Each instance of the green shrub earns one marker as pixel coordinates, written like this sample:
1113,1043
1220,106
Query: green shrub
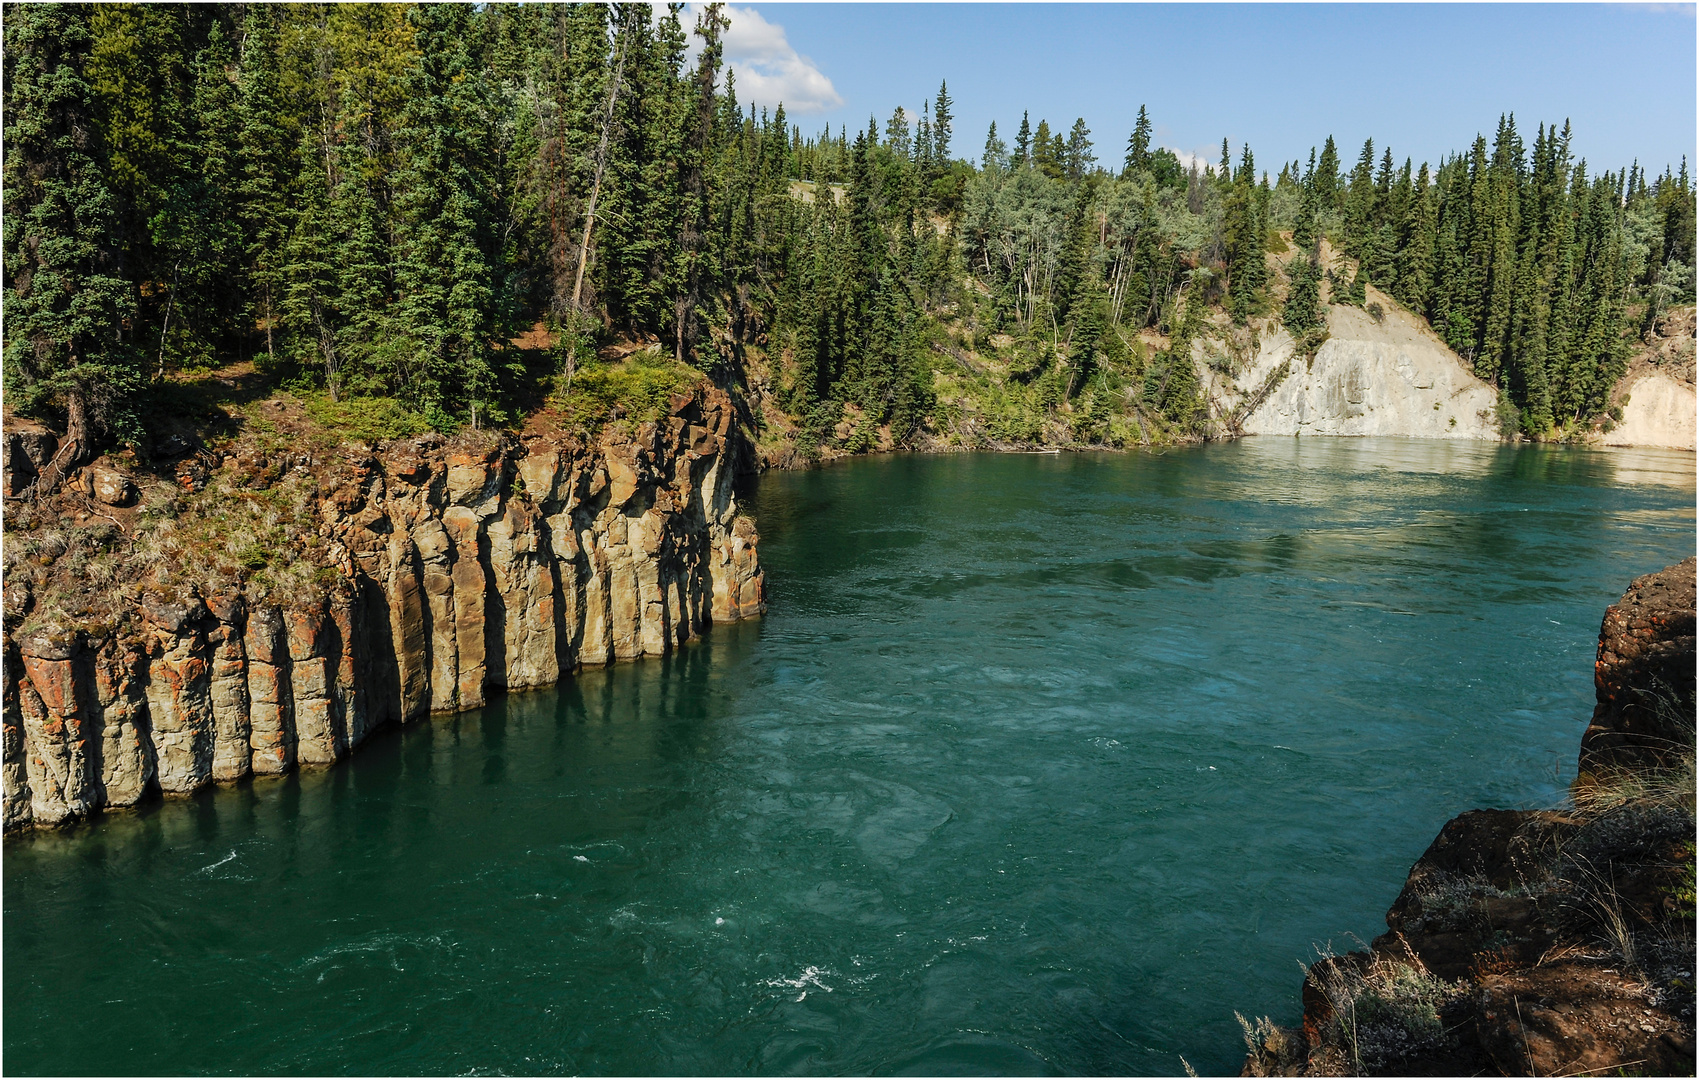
636,390
1508,415
1383,1015
367,419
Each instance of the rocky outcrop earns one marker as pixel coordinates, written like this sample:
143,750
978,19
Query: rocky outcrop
1546,943
1390,376
1657,411
454,570
1644,676
25,449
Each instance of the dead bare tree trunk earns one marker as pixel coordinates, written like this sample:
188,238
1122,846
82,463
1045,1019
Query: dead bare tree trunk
270,355
165,327
590,210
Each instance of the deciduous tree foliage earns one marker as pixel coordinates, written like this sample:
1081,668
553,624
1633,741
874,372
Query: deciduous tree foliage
379,199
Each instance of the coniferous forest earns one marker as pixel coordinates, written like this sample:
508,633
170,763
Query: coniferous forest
449,211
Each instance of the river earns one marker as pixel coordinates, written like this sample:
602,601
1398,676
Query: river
1036,764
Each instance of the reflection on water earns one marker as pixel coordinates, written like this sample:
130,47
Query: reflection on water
1469,458
1038,764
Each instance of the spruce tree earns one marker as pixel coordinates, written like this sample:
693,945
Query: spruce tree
897,132
995,150
213,273
267,160
1360,202
1305,233
1325,181
943,117
697,271
307,306
364,278
1303,311
1044,155
1415,262
1079,156
66,303
444,268
922,156
1138,144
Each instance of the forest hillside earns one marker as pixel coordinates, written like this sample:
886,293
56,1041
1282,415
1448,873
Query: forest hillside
412,217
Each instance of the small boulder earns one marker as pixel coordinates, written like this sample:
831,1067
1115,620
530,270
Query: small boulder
26,448
112,488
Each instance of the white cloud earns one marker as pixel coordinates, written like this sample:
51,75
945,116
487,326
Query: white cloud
1189,158
769,70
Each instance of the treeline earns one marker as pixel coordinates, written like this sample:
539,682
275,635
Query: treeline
381,199
1524,263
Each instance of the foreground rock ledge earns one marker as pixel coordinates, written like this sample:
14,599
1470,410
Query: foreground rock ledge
454,573
1544,943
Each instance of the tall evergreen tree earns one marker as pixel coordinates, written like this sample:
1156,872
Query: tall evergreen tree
943,119
1303,311
66,301
267,159
1138,144
995,150
307,308
1079,159
445,265
1415,261
696,274
1325,179
1044,152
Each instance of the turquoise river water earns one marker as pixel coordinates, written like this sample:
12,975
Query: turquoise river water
1037,764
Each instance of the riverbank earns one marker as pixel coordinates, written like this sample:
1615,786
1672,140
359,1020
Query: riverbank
261,600
1545,943
1029,763
1373,369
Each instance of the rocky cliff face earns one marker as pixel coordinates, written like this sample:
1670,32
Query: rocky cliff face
1390,376
1656,392
1644,676
1660,411
446,572
1545,943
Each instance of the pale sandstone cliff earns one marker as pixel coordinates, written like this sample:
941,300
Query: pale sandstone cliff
1392,377
1660,412
449,574
1656,393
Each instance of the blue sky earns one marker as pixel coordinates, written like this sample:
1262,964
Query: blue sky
1422,77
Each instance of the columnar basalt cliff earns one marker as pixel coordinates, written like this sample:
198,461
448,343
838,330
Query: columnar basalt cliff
450,571
1544,943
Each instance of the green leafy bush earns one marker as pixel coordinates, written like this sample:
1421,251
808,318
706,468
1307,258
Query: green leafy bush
635,390
368,419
